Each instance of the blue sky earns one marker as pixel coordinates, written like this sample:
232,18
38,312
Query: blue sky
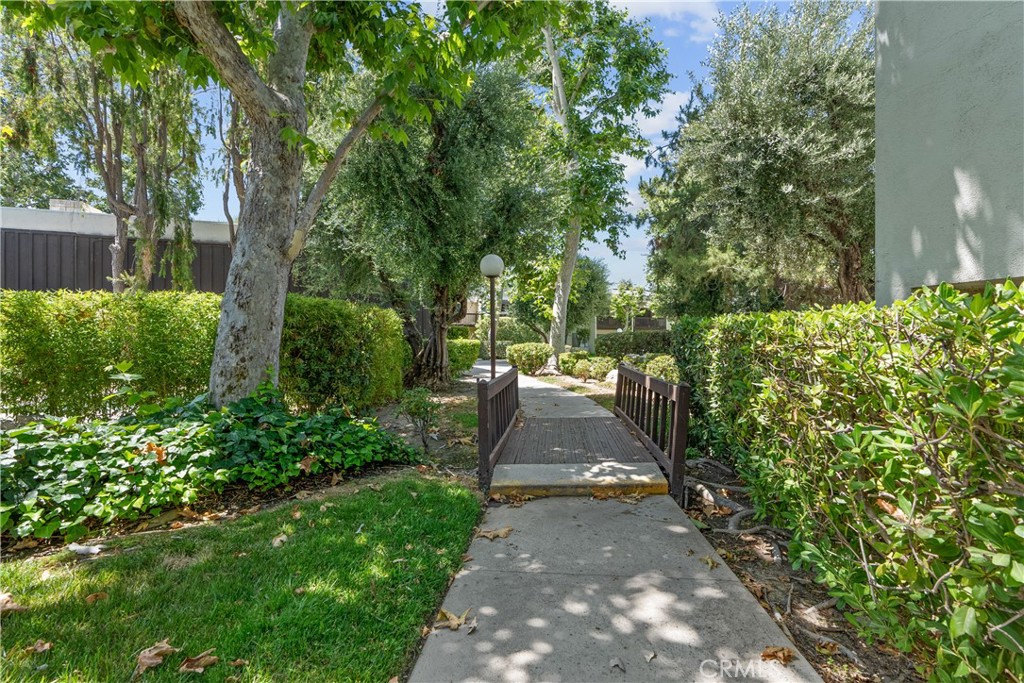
685,28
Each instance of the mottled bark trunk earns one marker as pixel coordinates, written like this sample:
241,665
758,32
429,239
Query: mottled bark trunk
560,308
117,254
851,276
432,367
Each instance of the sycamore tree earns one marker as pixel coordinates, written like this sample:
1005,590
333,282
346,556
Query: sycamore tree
781,155
270,55
627,302
533,293
603,71
462,185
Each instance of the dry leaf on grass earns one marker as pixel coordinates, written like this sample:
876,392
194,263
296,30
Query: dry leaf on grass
238,662
153,656
197,664
446,619
7,604
39,647
491,534
782,655
90,599
300,591
296,513
279,540
825,648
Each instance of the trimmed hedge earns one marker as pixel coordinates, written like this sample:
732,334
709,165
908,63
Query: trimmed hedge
461,332
619,344
891,442
568,360
55,348
529,358
462,353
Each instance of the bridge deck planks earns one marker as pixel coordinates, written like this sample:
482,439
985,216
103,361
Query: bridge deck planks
591,440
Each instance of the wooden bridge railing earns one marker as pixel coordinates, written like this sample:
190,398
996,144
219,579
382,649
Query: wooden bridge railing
497,406
659,413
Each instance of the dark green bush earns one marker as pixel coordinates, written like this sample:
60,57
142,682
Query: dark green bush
620,344
600,366
529,358
891,442
462,353
335,352
55,348
567,361
68,476
461,332
663,367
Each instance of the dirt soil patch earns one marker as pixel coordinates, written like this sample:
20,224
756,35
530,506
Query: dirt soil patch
758,554
602,393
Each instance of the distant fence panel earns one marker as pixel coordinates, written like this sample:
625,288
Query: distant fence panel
42,260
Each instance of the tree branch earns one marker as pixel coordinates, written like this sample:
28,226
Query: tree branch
218,45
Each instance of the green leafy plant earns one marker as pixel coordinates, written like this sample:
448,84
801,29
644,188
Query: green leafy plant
462,353
529,358
422,410
55,348
67,476
567,361
664,367
620,344
891,442
510,331
596,367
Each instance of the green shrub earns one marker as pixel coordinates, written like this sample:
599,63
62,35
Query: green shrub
55,348
68,476
891,442
335,352
600,366
567,361
462,353
529,358
461,332
422,410
617,345
510,331
663,367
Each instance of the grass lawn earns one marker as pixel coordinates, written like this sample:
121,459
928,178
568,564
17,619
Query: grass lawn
344,598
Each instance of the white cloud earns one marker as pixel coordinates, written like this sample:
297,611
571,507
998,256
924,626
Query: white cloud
666,118
633,167
698,15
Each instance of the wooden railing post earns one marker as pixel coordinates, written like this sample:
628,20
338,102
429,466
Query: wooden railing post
483,433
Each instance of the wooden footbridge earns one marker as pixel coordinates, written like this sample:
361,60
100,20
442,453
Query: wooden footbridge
538,439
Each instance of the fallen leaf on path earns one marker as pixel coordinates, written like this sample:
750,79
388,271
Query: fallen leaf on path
422,469
302,495
826,648
238,662
39,647
90,599
709,561
616,664
425,631
176,525
335,479
492,534
279,541
7,604
466,557
197,664
782,655
649,656
24,544
446,619
153,656
85,549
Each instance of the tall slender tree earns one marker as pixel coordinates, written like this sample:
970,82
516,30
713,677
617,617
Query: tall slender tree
604,70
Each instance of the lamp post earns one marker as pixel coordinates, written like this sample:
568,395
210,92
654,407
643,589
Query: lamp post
491,267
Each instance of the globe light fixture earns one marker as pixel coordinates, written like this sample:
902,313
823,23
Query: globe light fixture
491,266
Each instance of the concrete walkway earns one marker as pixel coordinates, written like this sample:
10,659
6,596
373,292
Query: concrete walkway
587,590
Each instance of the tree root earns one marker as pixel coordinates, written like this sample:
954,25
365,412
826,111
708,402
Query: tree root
825,640
690,481
712,463
712,497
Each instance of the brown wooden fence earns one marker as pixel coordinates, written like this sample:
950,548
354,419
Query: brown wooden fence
44,260
659,413
497,407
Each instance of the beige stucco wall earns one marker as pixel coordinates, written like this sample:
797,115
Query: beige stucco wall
950,144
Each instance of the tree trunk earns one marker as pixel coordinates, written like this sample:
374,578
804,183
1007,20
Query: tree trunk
117,254
247,351
432,368
560,309
850,278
